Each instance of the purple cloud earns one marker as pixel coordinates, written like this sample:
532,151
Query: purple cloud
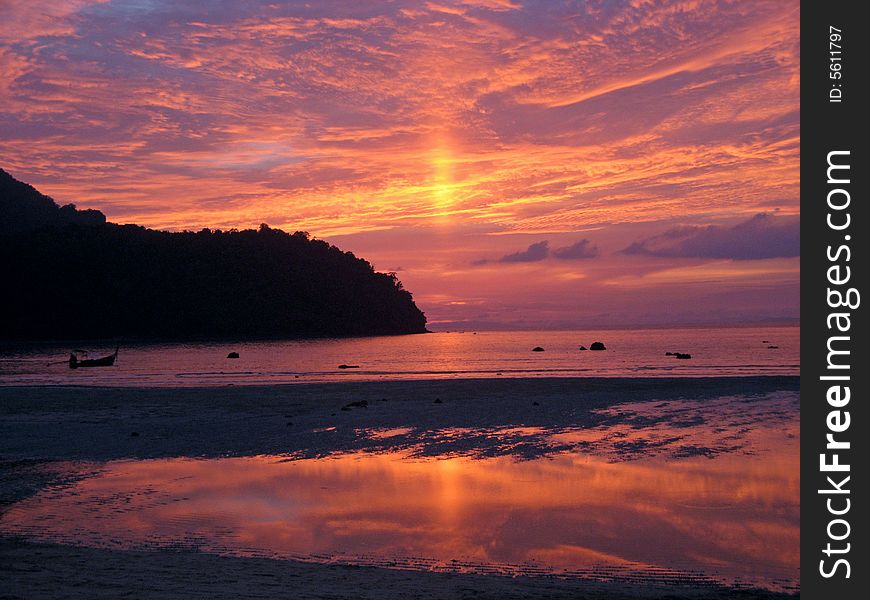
541,251
534,253
582,249
762,236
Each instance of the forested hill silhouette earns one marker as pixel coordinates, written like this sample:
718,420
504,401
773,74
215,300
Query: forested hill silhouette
68,274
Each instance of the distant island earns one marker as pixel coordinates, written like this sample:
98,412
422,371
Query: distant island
70,274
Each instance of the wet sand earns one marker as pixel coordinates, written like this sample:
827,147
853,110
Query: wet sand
30,570
526,419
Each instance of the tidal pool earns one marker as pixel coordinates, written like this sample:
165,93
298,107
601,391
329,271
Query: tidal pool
731,519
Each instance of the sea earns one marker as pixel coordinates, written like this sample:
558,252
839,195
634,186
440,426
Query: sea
715,352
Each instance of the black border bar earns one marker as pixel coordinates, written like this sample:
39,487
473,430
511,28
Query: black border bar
834,228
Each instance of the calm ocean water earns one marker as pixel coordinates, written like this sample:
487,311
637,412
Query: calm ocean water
630,353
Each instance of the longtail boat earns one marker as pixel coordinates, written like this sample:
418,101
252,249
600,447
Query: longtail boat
106,361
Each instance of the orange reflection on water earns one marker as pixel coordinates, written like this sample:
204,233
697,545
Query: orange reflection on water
734,518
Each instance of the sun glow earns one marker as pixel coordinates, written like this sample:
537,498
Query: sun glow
443,184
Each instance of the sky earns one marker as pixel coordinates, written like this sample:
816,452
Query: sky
519,164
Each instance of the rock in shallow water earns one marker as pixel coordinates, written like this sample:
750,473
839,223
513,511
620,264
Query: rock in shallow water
357,404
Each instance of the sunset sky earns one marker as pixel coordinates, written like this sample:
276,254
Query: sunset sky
517,163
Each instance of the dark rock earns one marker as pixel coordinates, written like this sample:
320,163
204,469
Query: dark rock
233,355
583,347
597,346
682,355
289,423
669,353
438,401
537,349
764,342
773,347
348,366
357,404
134,434
535,404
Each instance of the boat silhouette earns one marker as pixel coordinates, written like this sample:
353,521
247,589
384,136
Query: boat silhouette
106,361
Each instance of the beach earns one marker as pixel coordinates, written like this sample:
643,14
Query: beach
57,439
463,299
